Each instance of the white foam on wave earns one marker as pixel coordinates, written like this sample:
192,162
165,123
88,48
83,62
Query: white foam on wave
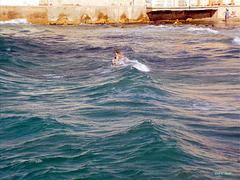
140,66
14,21
162,28
53,76
135,64
236,40
184,29
202,30
35,160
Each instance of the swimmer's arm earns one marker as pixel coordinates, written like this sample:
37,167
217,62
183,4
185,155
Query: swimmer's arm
122,56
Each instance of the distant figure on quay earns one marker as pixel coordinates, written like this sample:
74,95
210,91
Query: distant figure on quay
227,13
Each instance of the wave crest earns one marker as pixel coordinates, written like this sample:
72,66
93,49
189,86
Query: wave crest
14,22
236,40
135,64
202,30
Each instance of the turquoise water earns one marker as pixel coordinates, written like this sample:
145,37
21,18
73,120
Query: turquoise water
171,111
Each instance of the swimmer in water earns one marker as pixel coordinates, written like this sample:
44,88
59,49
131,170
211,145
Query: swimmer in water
116,62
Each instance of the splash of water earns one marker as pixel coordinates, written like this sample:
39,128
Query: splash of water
236,40
135,64
15,21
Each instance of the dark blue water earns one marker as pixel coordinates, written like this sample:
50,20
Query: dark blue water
171,111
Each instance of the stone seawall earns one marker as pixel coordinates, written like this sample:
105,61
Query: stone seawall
59,15
33,14
69,15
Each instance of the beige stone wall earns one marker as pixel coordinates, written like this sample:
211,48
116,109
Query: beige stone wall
93,2
221,11
84,14
34,15
19,2
57,15
206,2
179,3
172,3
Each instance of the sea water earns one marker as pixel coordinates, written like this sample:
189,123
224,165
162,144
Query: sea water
170,111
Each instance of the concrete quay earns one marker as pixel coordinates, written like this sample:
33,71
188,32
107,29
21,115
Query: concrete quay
70,15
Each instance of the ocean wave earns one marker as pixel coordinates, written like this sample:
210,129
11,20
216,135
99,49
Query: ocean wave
236,40
202,30
162,28
14,22
135,64
180,29
68,113
53,76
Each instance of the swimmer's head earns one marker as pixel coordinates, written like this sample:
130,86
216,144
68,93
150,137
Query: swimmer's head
117,51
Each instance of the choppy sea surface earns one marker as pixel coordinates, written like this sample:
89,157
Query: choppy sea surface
170,111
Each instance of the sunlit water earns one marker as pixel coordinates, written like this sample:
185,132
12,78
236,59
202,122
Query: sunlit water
171,111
